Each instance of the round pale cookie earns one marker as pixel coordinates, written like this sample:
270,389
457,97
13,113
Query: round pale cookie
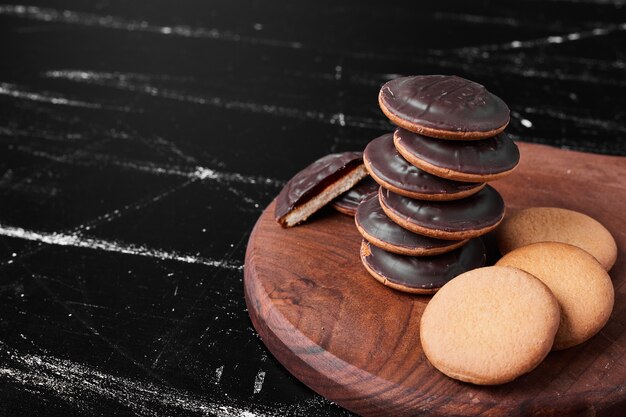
454,220
421,274
348,202
551,224
490,325
378,229
464,160
395,173
443,106
580,284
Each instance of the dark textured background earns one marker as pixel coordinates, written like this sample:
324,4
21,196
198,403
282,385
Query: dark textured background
140,140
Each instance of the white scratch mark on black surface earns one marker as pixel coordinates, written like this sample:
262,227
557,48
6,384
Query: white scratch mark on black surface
33,132
130,207
590,71
591,63
158,143
7,182
254,205
109,216
208,173
78,384
85,158
258,381
63,239
218,374
81,304
14,91
39,279
585,121
585,76
121,82
543,41
89,159
119,23
173,149
72,382
477,19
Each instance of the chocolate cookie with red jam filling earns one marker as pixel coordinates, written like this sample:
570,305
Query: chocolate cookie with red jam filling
459,219
316,185
395,173
463,160
421,274
443,106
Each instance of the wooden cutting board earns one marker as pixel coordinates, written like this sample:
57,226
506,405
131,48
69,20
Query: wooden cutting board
356,342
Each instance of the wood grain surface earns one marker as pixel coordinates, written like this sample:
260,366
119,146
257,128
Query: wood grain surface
356,342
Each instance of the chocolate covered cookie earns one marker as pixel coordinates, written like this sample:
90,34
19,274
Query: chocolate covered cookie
442,106
421,274
316,185
467,160
348,202
381,231
459,219
395,173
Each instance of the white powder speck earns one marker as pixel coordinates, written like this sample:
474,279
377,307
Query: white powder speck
258,381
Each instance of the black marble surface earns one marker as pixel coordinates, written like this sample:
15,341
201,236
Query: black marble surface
140,140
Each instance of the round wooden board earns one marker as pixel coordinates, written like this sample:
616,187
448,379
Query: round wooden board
356,342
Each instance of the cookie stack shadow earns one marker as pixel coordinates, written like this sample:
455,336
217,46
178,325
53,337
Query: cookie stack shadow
423,227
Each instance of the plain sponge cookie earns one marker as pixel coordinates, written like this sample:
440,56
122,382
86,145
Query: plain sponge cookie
489,325
543,224
580,284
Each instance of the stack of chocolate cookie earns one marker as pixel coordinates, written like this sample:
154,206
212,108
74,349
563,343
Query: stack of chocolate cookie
422,228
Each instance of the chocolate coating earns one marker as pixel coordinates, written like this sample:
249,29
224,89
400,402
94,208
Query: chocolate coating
371,218
442,102
479,211
426,273
388,167
350,200
309,182
480,157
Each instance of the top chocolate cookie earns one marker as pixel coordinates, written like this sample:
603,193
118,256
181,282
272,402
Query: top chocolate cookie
442,106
